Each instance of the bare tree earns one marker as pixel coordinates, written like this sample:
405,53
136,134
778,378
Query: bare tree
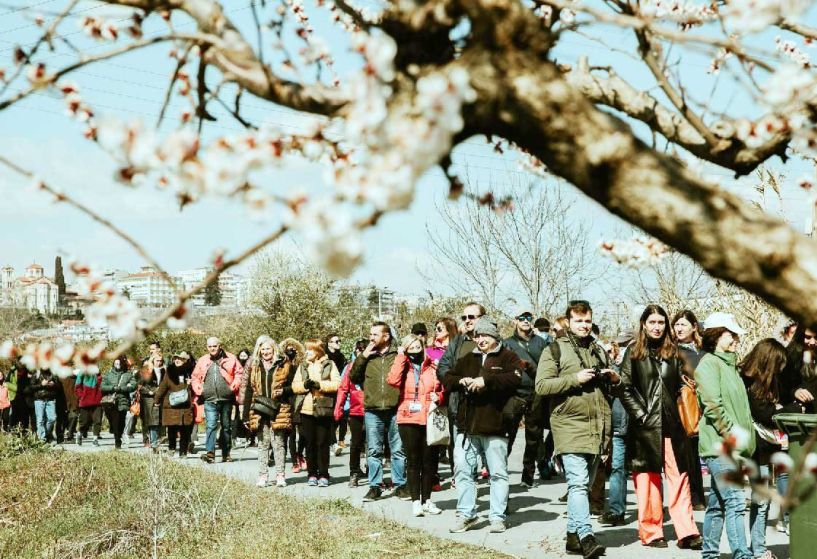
534,253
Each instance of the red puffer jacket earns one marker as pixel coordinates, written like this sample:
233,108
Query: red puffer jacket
415,398
354,392
88,396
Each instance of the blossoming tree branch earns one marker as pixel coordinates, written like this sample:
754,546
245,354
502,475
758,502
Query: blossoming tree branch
429,76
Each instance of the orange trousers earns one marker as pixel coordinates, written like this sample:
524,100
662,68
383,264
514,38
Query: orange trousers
650,501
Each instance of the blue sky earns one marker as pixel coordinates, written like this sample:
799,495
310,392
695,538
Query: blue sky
38,135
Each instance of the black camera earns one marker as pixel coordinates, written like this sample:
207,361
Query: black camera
598,372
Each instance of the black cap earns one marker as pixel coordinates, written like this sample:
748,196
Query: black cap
419,329
541,324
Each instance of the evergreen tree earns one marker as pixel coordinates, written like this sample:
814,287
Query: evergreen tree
59,279
212,294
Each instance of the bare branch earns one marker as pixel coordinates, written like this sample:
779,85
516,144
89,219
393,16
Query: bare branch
62,197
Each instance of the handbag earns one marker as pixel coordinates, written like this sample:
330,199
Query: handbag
265,406
689,409
437,433
108,399
179,398
323,406
773,436
135,408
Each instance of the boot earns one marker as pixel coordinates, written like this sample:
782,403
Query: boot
572,545
591,548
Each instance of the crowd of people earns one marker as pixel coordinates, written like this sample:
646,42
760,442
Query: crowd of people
592,410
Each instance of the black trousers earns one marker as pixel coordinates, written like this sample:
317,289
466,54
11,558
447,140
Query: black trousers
356,446
5,419
23,416
343,426
696,478
534,421
182,432
87,416
420,460
116,422
318,431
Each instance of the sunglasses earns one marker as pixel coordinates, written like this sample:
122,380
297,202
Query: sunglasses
469,317
525,317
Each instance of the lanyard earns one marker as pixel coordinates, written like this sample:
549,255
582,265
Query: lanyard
416,369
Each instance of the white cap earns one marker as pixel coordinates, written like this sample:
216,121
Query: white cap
723,320
519,310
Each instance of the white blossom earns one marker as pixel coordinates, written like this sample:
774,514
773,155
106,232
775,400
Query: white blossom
748,16
635,252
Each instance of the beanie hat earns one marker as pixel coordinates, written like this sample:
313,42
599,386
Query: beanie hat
486,326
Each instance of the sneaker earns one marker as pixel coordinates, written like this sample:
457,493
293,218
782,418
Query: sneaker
227,458
660,543
498,527
572,544
96,441
430,508
563,498
191,448
302,462
417,508
463,525
209,457
767,555
313,482
610,519
591,548
262,481
691,542
353,479
782,525
296,468
323,482
402,493
527,482
338,450
373,494
117,445
596,513
280,480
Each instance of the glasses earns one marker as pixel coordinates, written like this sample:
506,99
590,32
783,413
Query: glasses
469,317
525,317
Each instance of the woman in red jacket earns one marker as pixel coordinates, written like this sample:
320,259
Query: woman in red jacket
416,377
350,403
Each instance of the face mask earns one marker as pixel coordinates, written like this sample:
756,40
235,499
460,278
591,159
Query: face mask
416,358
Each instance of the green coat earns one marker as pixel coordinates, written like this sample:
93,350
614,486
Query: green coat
724,403
122,385
371,374
581,418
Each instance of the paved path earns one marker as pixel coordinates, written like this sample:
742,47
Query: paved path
535,529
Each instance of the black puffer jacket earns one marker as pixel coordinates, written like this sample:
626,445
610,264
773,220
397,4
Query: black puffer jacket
649,392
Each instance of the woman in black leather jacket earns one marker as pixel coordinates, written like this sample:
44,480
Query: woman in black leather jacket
651,380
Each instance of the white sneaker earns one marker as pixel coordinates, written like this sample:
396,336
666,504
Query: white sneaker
262,481
430,508
280,481
417,508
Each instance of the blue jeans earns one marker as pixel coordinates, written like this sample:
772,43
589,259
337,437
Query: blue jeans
758,515
214,412
580,469
153,433
782,482
617,496
467,450
725,506
45,412
379,425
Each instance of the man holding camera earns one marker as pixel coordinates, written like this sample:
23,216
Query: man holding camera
380,400
577,373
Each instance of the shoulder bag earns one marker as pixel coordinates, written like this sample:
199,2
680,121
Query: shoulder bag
179,398
135,408
437,433
689,410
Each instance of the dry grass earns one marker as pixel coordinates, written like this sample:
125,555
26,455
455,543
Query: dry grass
61,504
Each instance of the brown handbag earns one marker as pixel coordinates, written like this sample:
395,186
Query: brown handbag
135,406
688,407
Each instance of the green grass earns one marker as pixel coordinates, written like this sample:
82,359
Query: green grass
58,504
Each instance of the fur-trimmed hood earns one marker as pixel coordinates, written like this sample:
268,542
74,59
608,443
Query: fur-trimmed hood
300,352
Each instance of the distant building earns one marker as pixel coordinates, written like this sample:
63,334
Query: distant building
147,288
34,290
233,287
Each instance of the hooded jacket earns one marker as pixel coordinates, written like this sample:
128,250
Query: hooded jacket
371,373
415,397
581,419
347,389
229,367
121,384
724,403
529,351
88,388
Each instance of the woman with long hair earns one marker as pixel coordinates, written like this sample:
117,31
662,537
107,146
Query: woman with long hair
177,408
148,384
761,370
726,417
316,383
686,328
445,329
651,380
117,386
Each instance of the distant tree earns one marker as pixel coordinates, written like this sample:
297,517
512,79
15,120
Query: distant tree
212,294
59,279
